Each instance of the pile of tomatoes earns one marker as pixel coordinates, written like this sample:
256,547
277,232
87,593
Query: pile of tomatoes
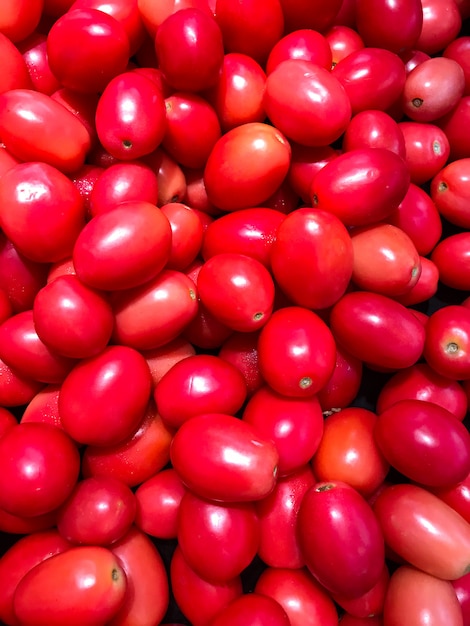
234,312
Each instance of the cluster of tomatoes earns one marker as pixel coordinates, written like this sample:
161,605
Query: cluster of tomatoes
223,222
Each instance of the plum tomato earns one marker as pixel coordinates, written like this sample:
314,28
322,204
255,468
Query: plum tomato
304,43
254,609
449,190
446,346
427,150
374,129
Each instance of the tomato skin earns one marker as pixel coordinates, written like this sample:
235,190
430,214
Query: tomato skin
458,50
241,349
277,514
30,483
348,451
376,329
395,26
437,538
16,389
441,25
15,74
33,50
449,188
298,99
456,496
160,360
294,424
420,599
70,599
21,557
340,538
344,384
212,437
446,347
454,125
452,260
306,44
370,603
187,233
343,40
21,525
303,599
147,593
427,150
297,352
254,609
351,186
437,445
130,116
315,15
202,383
310,247
86,48
246,166
374,129
461,588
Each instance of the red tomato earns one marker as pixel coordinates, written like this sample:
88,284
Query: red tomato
377,330
147,592
86,48
19,19
459,50
441,25
198,599
452,259
196,63
34,52
348,451
7,420
118,385
16,389
423,530
340,538
15,74
309,14
44,407
302,598
344,384
374,129
455,127
297,352
203,383
420,599
218,540
99,511
427,150
22,556
170,177
160,360
305,163
186,234
461,588
304,261
252,609
294,424
362,186
21,525
241,349
29,480
395,26
343,40
449,189
229,461
370,603
446,347
246,166
306,44
277,514
306,102
41,211
426,287
457,496
88,587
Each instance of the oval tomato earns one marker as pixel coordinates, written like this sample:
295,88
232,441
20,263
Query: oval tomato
254,609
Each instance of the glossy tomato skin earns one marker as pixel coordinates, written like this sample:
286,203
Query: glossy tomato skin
130,116
374,129
312,246
436,538
211,471
298,99
15,74
252,608
21,557
296,590
30,482
340,538
306,44
203,383
147,594
33,49
187,232
395,26
351,186
31,124
457,496
377,330
42,212
437,445
294,424
452,260
344,383
349,452
343,39
16,389
371,603
446,347
277,514
419,598
241,349
246,166
116,372
160,360
36,601
86,48
427,149
449,188
462,591
441,25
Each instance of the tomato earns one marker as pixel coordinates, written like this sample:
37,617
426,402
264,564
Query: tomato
420,599
299,98
200,600
160,360
294,424
21,525
44,407
203,383
241,349
7,420
340,538
446,343
307,14
170,177
186,234
229,461
311,246
29,480
297,352
86,48
246,166
462,591
16,389
34,52
459,50
72,319
427,150
449,188
306,44
158,501
218,540
370,603
374,129
21,557
252,609
423,530
344,383
457,496
15,74
88,587
302,598
277,514
361,186
19,19
395,26
130,116
305,163
441,25
99,511
454,126
343,40
147,592
196,64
